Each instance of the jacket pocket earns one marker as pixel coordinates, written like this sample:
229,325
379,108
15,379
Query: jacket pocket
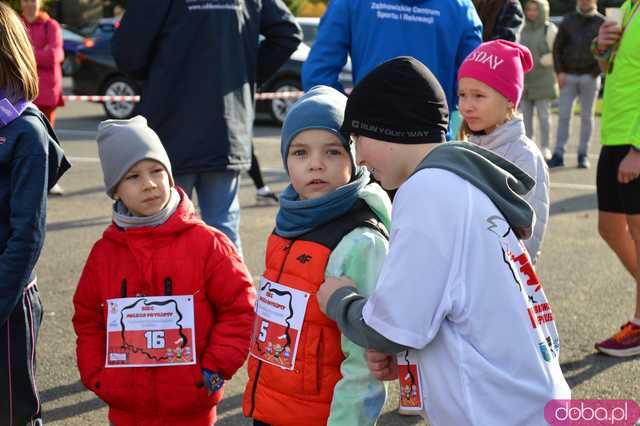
311,372
186,385
113,386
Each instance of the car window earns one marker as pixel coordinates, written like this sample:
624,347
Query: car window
71,36
309,33
103,31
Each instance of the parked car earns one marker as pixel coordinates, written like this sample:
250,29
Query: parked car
97,74
289,77
71,42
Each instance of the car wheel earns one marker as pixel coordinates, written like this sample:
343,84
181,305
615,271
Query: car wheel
68,65
278,108
119,86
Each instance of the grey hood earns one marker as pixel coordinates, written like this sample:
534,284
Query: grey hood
502,181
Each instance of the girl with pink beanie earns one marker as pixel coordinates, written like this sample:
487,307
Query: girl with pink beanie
490,84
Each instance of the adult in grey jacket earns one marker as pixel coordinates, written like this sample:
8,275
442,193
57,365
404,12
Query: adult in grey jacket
578,76
201,61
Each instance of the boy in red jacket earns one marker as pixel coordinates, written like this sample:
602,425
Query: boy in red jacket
164,306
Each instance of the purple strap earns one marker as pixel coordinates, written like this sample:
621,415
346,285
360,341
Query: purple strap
10,111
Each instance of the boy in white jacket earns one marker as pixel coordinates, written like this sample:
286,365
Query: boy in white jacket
457,293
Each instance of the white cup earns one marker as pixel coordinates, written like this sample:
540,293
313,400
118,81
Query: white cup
614,14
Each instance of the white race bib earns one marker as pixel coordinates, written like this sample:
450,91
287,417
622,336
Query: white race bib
150,331
277,326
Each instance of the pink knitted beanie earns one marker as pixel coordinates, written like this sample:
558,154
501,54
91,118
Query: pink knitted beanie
499,64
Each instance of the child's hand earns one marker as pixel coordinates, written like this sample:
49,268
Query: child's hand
328,287
213,381
382,366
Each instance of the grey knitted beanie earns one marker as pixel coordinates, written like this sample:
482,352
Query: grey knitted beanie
122,144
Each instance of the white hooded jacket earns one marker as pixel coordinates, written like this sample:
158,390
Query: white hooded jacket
510,142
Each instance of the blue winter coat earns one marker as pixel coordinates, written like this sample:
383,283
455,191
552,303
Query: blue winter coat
201,61
439,33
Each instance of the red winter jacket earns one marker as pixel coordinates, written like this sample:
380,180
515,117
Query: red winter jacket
46,40
200,261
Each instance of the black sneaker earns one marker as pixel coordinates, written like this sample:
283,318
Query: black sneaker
583,162
555,161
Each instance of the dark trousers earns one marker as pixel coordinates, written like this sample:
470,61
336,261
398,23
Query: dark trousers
19,400
254,172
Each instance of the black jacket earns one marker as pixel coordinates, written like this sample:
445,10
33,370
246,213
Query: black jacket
572,48
31,162
509,22
201,61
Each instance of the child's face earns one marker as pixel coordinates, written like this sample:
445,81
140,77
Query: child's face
382,160
317,163
482,107
531,11
30,7
145,188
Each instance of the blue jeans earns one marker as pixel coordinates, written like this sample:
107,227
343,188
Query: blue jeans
584,86
218,200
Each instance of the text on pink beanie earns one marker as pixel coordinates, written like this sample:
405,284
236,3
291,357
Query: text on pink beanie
499,64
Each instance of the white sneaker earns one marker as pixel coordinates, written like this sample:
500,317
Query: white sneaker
547,154
56,190
265,196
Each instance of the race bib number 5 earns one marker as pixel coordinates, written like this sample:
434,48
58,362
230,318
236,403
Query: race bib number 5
280,313
150,331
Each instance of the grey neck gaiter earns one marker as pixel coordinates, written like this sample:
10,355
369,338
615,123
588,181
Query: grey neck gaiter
124,219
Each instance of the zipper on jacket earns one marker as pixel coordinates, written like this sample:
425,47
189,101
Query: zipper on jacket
123,288
168,286
254,388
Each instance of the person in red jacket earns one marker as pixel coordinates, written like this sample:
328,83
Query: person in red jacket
164,306
46,39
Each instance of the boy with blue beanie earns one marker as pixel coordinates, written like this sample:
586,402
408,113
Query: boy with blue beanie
331,222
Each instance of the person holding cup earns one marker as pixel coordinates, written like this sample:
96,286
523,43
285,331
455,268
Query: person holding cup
617,48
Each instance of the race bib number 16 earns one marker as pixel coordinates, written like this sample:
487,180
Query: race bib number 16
150,331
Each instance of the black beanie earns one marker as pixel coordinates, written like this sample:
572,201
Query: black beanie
399,101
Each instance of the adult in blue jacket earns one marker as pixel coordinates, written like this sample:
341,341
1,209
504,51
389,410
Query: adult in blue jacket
439,33
200,61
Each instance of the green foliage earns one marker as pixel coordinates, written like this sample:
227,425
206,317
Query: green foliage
298,6
15,4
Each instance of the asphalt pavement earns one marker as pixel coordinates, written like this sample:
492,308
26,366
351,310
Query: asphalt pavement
590,293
